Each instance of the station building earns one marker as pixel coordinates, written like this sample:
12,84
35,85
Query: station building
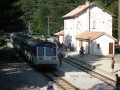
90,26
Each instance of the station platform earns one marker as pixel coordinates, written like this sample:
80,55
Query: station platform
101,64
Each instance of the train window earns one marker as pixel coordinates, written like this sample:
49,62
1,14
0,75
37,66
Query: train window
50,51
40,51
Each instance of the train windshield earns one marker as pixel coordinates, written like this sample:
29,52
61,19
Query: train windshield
40,51
50,51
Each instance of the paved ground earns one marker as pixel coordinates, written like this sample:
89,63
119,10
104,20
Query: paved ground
102,64
20,77
15,74
81,79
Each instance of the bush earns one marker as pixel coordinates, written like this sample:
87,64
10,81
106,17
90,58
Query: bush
2,40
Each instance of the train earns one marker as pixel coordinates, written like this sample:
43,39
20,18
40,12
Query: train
37,52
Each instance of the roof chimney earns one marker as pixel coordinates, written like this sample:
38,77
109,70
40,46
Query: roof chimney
87,3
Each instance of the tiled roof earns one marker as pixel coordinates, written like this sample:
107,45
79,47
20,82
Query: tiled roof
61,33
81,8
75,11
91,35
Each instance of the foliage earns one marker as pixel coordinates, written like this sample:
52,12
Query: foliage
39,22
9,16
2,41
114,9
32,15
36,18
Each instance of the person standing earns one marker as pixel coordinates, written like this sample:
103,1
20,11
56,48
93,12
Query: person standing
60,56
112,64
81,51
50,86
69,44
117,82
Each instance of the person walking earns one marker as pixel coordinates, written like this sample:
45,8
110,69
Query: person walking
50,86
117,85
60,56
112,64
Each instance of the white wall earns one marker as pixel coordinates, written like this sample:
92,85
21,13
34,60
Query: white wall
103,20
80,23
69,32
61,39
104,45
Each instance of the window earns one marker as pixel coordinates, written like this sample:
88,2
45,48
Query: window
94,24
40,51
50,51
98,45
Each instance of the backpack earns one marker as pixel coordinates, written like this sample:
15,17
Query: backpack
60,55
114,61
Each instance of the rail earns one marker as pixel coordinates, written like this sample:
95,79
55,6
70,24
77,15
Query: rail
83,67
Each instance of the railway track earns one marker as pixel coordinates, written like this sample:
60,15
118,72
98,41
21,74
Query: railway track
65,85
83,67
55,77
60,82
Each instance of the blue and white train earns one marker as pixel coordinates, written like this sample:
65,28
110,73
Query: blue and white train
38,52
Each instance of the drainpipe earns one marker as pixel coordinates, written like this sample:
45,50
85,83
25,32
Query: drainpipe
87,4
89,30
89,46
89,19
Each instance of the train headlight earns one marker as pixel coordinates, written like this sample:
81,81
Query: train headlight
53,58
41,58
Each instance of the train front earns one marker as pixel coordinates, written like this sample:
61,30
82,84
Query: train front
47,54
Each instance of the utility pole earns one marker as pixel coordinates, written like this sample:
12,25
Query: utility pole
48,26
29,29
119,22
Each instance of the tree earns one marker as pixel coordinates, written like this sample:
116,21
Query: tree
114,9
28,7
32,14
39,22
9,16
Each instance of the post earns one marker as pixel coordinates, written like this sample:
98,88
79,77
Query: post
119,22
29,29
48,27
89,46
89,16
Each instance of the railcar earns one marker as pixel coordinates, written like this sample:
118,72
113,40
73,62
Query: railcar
38,52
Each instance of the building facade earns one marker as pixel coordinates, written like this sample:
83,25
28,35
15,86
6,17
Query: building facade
89,19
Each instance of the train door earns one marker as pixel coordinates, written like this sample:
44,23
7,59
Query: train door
40,53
